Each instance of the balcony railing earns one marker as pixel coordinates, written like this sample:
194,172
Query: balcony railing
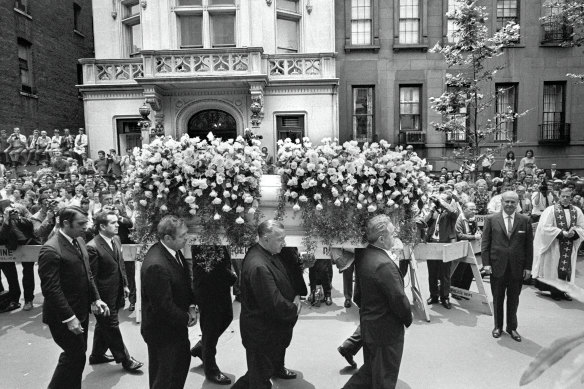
209,63
554,133
555,32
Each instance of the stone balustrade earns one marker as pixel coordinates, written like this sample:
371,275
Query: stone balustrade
111,71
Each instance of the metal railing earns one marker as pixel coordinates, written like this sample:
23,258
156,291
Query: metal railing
554,133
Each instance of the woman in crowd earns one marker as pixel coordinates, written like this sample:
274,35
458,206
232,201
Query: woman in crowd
527,163
509,163
481,196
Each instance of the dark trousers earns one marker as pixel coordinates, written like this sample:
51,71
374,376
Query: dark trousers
380,367
348,282
439,271
260,367
107,335
462,276
131,274
321,274
71,363
9,270
354,342
213,324
168,363
28,280
512,287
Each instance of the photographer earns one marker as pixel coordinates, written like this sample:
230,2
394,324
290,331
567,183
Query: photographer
44,220
540,200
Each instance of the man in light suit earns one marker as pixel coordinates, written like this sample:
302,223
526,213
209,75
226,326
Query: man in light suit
167,306
385,308
107,266
507,253
70,292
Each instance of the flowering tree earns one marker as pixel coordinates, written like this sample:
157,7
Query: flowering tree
464,105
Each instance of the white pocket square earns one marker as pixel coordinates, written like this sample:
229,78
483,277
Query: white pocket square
521,232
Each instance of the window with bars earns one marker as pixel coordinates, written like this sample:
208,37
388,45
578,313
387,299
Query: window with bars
506,104
554,26
459,116
507,11
132,28
290,126
363,113
361,22
193,17
25,65
409,22
452,27
410,108
553,123
287,26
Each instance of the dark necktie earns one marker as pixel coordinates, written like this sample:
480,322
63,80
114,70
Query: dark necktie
76,245
178,259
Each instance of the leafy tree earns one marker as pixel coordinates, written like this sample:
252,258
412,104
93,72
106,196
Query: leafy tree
464,105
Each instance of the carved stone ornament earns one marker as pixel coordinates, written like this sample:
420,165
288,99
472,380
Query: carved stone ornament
308,7
256,109
154,103
269,2
143,3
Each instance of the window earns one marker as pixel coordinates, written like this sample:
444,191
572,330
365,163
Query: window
288,26
25,65
507,11
459,117
132,30
506,104
554,105
409,22
76,17
290,126
206,23
363,114
361,22
21,5
410,109
554,27
452,27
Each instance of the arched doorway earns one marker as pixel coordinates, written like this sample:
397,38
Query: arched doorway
219,122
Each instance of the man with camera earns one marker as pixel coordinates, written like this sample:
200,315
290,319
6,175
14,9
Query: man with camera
17,145
540,200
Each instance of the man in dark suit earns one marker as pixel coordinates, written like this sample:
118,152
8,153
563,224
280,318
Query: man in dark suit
385,308
212,290
70,292
553,173
107,267
168,306
507,253
269,306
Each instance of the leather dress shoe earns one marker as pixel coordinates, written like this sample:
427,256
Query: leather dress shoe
131,365
514,335
328,300
99,359
219,379
446,304
432,300
348,356
348,303
285,374
497,333
567,297
197,351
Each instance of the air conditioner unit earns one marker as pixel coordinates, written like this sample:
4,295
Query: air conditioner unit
415,137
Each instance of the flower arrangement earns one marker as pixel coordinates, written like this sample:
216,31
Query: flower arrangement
212,182
337,188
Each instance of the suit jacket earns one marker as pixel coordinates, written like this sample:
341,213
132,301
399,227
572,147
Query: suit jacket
267,308
498,250
108,270
166,296
557,174
462,229
385,308
66,280
290,260
212,289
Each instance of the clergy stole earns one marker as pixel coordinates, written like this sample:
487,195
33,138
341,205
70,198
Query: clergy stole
566,245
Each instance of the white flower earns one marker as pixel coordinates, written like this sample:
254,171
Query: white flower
379,196
226,194
359,206
239,209
248,200
189,199
226,208
164,208
233,196
338,202
239,220
193,211
251,210
319,207
182,188
213,194
372,208
303,198
216,201
296,207
216,217
143,202
148,194
317,196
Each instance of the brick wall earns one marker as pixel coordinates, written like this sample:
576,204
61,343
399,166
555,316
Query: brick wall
55,49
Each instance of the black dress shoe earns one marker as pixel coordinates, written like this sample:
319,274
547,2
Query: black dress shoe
219,379
432,300
348,303
497,333
285,374
10,307
557,297
197,351
328,300
99,359
446,304
515,335
348,356
132,365
567,297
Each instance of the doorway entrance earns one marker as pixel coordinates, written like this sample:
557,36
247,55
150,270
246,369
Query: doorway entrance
219,122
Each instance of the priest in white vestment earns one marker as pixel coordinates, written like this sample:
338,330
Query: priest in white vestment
555,247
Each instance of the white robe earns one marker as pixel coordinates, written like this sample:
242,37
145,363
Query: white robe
546,248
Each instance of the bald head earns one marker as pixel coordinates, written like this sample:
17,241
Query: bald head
509,200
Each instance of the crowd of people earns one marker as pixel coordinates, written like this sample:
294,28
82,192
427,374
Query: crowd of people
71,197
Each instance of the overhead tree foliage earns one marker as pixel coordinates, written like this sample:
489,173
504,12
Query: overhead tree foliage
467,104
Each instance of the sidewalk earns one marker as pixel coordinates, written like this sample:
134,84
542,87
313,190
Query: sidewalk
454,350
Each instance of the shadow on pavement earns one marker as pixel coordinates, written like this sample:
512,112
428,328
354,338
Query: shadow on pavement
525,347
105,376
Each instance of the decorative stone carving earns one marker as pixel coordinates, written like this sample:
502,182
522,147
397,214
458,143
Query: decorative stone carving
154,102
257,103
286,67
308,7
202,63
118,71
143,3
269,2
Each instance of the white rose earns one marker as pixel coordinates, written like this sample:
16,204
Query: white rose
372,208
303,198
216,217
182,189
318,207
251,210
296,207
193,211
216,201
338,202
164,208
239,220
239,209
143,202
213,194
359,206
226,208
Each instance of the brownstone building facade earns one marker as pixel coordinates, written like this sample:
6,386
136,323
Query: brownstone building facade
41,41
387,75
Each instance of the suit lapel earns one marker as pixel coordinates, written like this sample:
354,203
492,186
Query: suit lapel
501,221
170,258
388,258
516,222
106,246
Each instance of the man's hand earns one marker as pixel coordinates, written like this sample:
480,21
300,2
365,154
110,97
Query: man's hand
126,292
526,274
75,326
298,304
488,270
193,316
98,307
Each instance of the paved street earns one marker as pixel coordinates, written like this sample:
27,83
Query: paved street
454,350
